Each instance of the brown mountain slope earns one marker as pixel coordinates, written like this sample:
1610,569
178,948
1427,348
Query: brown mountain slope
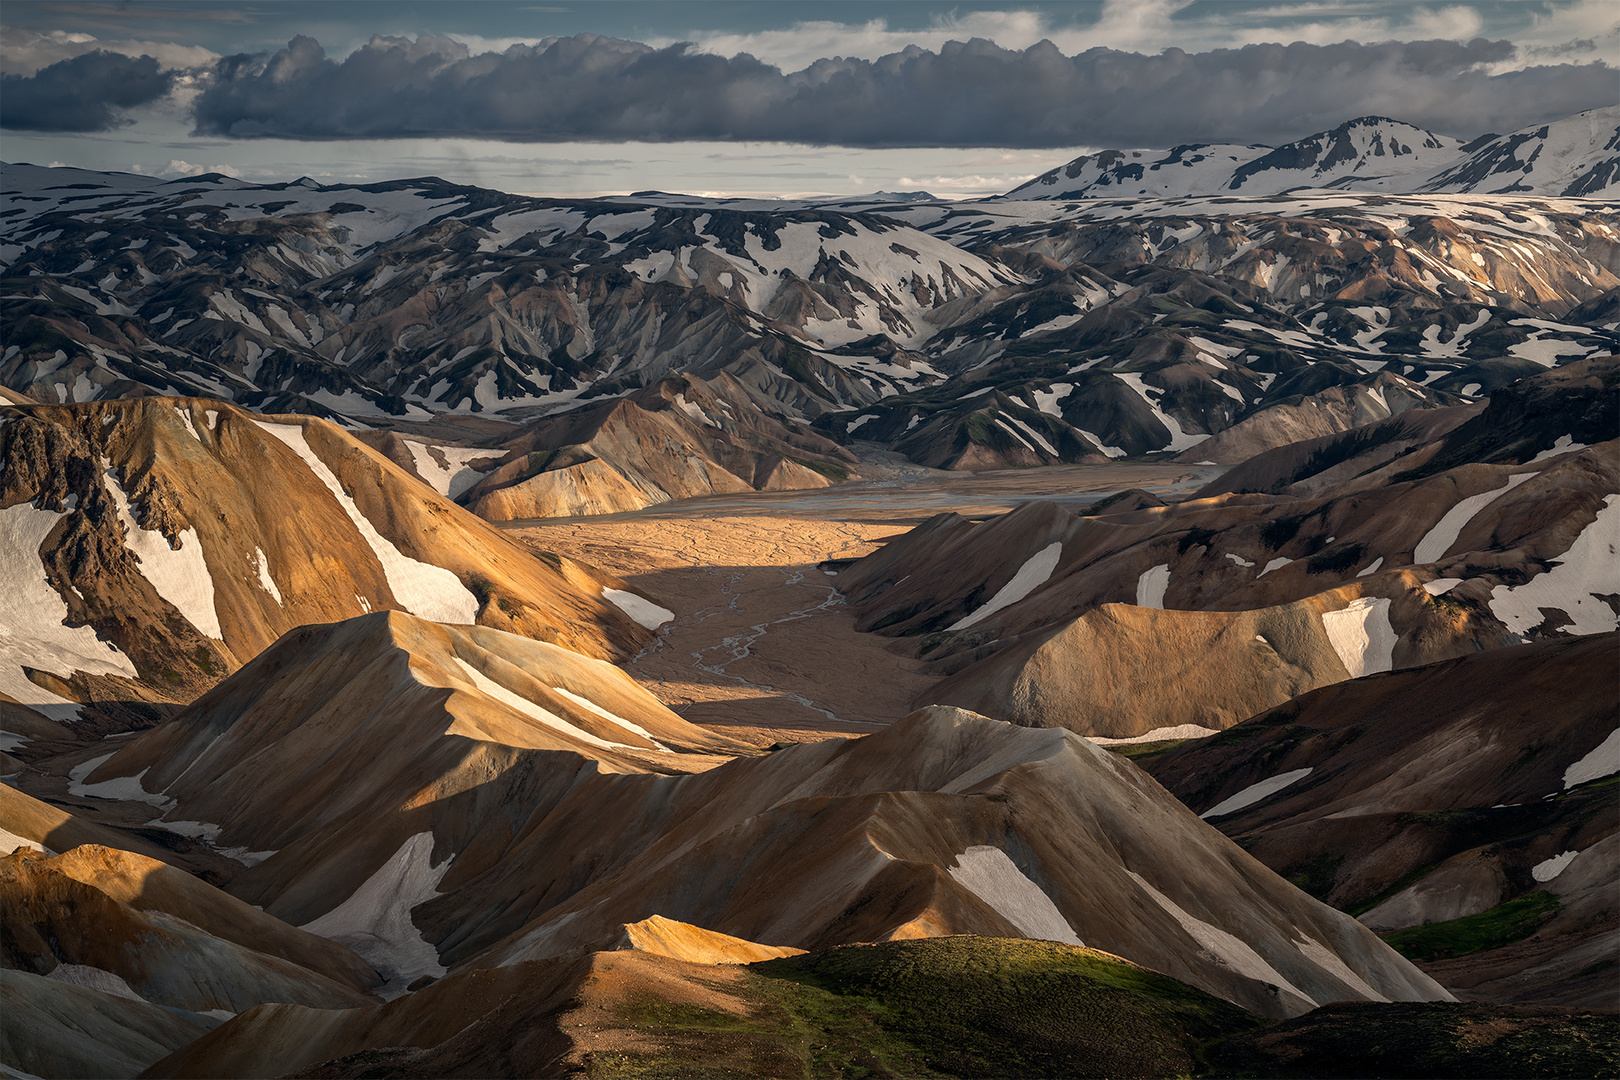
945,1007
51,918
450,725
1121,671
161,543
1438,793
944,823
1478,529
681,437
480,835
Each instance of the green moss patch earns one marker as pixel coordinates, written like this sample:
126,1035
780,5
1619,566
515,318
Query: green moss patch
1502,925
940,1007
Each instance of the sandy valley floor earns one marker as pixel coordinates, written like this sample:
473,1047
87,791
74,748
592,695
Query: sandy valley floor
762,644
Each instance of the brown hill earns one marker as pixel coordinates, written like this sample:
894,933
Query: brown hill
52,918
450,723
1121,671
1443,793
163,542
681,437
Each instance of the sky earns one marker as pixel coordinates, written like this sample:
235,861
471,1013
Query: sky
762,98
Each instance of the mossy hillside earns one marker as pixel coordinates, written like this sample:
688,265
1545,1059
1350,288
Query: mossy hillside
1501,925
947,1007
985,1007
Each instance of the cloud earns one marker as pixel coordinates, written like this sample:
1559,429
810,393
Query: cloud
24,51
86,93
973,93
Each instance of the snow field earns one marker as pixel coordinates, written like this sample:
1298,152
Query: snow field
1255,793
454,478
591,706
1163,734
423,589
1037,569
375,921
1603,760
990,875
127,788
522,705
1547,869
266,582
1179,440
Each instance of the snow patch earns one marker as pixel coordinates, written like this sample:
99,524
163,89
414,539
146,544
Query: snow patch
127,788
1362,636
453,478
639,608
423,589
266,582
1548,869
32,614
1441,585
1151,585
1564,444
1372,567
376,921
1240,560
1162,734
990,875
180,577
1438,540
1223,948
1589,569
1604,760
1255,793
1035,572
1279,561
591,706
516,702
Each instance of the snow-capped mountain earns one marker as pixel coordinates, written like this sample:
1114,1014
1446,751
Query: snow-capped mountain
1578,157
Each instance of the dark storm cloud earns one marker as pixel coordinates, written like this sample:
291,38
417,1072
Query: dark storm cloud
81,94
966,94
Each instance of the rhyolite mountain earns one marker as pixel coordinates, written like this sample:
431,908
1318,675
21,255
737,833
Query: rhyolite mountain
995,333
152,546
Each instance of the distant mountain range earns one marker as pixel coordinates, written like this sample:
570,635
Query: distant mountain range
1578,157
767,338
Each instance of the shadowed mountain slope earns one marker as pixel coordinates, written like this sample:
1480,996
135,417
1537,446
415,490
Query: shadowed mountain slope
1441,793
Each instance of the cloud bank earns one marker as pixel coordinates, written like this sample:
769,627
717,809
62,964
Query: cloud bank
85,93
960,94
973,93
